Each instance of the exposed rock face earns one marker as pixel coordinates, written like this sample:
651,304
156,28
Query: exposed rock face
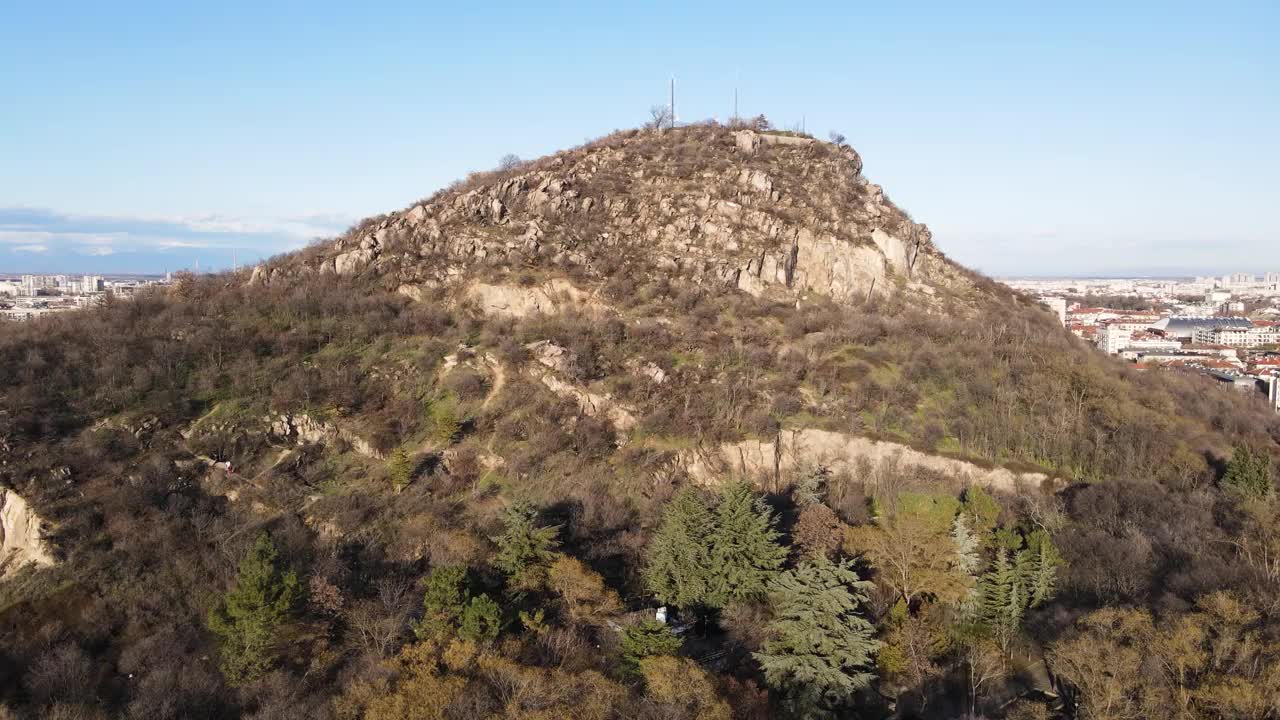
556,360
762,212
303,428
21,535
548,298
765,462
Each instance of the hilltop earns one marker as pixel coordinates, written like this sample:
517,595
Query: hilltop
487,434
765,212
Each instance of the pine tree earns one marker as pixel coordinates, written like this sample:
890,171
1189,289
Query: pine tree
811,487
1042,563
446,425
967,561
481,620
400,468
443,603
1001,597
646,639
525,549
745,554
1021,577
1249,472
821,650
248,619
966,546
679,572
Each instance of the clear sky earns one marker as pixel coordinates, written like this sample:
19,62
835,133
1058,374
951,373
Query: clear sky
1088,138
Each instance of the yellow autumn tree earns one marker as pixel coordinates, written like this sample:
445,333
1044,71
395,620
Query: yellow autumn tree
680,690
585,596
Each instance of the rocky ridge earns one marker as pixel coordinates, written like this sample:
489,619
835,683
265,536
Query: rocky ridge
757,211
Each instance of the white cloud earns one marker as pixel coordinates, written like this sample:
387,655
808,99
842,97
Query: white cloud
154,243
43,236
304,227
170,243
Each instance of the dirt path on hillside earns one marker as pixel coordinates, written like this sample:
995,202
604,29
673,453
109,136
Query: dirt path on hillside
499,380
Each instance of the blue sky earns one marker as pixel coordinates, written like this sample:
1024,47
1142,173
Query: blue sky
1105,138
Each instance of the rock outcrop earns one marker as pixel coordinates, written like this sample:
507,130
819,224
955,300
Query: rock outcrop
767,463
761,212
552,297
554,361
21,535
302,428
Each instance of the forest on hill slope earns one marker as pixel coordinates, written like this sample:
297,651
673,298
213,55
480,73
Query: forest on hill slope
453,463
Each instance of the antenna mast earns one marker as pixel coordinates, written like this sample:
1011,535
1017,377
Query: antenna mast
673,102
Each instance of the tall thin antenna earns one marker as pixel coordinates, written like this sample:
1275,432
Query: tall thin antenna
673,102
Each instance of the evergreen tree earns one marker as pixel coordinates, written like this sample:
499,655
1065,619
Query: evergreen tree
525,549
446,425
982,509
248,619
679,569
966,546
450,607
400,468
1041,568
745,554
1249,472
968,561
811,487
1001,597
1021,578
821,650
646,639
481,620
444,601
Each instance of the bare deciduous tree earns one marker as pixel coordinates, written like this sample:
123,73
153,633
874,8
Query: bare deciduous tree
659,117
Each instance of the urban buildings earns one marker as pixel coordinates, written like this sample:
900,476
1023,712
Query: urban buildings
27,297
1226,328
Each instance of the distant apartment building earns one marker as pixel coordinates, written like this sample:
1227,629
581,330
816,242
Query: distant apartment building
1240,278
1113,338
9,288
1273,393
1091,315
1240,337
1117,335
1139,345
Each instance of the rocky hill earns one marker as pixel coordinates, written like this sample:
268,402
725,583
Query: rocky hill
447,464
763,212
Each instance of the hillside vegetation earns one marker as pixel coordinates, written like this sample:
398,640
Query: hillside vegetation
442,467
